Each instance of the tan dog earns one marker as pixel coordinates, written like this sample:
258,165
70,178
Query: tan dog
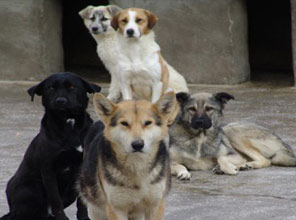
143,73
125,173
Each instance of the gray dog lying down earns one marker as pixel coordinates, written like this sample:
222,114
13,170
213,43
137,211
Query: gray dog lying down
199,142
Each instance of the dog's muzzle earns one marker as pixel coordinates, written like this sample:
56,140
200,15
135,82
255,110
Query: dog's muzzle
202,122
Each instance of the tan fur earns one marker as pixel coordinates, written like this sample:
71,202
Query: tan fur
135,195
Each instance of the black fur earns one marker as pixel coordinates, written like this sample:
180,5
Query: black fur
47,174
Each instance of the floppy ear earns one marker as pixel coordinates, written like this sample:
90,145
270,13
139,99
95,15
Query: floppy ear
166,105
103,106
113,9
114,22
90,88
36,90
85,13
182,97
223,97
152,19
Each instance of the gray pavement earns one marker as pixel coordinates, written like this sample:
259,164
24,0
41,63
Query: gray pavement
258,194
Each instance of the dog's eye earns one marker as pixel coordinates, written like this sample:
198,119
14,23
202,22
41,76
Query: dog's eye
208,108
124,21
104,19
138,20
148,123
93,18
192,109
50,87
124,123
71,87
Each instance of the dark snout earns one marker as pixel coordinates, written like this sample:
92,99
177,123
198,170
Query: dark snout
201,122
138,145
130,32
61,102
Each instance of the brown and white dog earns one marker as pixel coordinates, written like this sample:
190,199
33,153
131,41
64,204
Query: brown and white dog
142,71
125,172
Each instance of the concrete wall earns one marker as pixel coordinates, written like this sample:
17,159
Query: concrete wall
206,41
293,13
30,39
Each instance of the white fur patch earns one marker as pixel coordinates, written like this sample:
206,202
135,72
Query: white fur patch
71,121
79,148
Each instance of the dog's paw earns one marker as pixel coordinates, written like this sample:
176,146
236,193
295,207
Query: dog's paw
184,176
245,167
84,218
217,170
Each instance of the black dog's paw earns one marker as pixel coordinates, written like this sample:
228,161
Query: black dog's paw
86,218
61,216
217,170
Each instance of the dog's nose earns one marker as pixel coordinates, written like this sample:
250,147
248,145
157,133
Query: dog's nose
61,101
138,145
95,29
130,32
201,122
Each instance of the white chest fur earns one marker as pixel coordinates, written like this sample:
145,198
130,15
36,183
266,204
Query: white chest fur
140,69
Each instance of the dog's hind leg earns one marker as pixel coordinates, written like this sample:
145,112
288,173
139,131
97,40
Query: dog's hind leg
282,158
180,171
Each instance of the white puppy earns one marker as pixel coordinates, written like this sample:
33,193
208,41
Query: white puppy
144,74
98,22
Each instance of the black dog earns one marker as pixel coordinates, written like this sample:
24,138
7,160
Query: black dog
44,184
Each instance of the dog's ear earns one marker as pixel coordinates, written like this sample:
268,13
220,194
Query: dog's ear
182,97
85,13
152,19
90,87
113,9
223,97
166,105
37,89
103,106
114,22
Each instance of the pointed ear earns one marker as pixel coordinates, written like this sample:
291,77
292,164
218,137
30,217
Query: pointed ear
223,97
90,87
103,106
113,9
182,97
37,89
114,22
85,13
152,19
166,105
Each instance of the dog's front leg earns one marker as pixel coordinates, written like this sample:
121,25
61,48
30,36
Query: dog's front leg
126,91
114,90
180,171
49,180
115,214
156,212
156,91
81,210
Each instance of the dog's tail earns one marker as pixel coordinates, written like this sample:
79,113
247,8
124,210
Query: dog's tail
6,217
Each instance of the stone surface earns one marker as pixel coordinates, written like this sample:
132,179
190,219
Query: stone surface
293,17
257,194
206,41
30,39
